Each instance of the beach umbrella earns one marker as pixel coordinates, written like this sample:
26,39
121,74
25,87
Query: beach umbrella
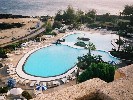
112,62
41,87
11,82
15,91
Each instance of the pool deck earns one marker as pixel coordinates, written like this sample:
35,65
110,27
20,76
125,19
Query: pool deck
23,75
19,60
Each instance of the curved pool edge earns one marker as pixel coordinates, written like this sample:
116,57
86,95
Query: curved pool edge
110,55
22,74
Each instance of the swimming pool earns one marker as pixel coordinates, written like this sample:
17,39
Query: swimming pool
102,42
56,60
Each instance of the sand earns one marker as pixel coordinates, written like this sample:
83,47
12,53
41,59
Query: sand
8,34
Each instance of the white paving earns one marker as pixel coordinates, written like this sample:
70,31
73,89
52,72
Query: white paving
22,74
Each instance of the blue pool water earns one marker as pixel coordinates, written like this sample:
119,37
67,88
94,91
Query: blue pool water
102,42
58,59
53,60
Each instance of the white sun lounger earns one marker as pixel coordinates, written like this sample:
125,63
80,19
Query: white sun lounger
32,83
11,65
38,82
17,52
64,80
56,83
49,84
10,72
44,83
80,73
21,81
73,78
2,97
26,82
11,69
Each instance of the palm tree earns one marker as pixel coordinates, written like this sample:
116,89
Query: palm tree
119,41
90,46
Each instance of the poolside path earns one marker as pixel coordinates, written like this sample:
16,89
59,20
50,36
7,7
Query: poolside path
32,34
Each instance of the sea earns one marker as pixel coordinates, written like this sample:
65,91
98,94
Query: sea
50,7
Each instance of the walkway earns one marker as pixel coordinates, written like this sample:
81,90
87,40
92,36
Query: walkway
32,34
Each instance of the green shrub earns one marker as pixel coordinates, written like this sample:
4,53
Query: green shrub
81,44
57,24
4,26
4,89
62,30
26,95
2,53
50,33
85,61
83,39
13,46
103,71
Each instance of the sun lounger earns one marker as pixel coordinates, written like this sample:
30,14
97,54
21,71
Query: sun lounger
80,73
67,81
49,85
37,83
44,83
56,83
21,81
2,97
26,82
64,80
17,52
10,72
32,83
10,65
73,78
11,69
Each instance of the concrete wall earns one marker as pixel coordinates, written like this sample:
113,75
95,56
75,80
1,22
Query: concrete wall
84,91
120,89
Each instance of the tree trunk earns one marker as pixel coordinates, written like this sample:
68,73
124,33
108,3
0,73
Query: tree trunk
89,51
119,45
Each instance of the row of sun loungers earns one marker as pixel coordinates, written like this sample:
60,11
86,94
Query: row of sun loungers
11,69
51,83
12,72
47,84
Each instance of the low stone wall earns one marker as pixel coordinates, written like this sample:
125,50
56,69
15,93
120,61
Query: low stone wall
118,90
83,91
96,89
121,89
